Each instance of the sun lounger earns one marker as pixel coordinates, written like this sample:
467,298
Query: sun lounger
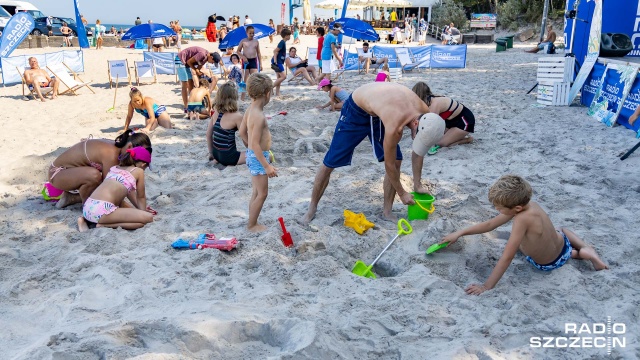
404,57
32,90
68,78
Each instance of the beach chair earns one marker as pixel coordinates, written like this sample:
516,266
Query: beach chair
404,57
145,70
312,54
368,55
118,69
32,90
68,78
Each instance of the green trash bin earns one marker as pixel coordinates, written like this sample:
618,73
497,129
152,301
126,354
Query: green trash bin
501,44
509,41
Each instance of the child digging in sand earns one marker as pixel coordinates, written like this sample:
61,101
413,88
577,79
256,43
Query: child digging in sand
104,206
199,106
532,233
255,132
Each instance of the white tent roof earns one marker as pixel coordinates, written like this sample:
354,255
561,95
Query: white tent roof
387,3
336,4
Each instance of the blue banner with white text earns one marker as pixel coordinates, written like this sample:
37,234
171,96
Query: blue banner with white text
630,105
18,27
163,61
81,32
448,56
592,84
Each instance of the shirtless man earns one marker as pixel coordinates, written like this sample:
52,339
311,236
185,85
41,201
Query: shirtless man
38,78
551,38
383,109
249,52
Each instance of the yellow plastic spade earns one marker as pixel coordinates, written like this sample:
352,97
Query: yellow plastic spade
361,269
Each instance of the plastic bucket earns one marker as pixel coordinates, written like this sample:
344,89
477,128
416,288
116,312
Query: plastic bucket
422,208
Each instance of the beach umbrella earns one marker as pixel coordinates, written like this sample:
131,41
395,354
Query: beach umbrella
335,4
234,37
357,29
221,18
147,31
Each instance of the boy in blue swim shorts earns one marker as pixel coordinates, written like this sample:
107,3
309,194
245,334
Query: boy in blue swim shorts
255,132
532,233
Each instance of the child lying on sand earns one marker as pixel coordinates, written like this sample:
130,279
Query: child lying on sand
532,233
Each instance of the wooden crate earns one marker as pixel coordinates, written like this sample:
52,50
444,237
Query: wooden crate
553,69
553,93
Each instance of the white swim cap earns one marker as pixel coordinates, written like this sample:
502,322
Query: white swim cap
430,130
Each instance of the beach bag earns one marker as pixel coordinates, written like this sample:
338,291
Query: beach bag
303,64
51,193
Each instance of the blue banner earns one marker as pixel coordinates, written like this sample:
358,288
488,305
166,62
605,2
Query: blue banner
19,26
164,61
592,84
605,105
388,52
421,55
350,60
630,104
81,31
448,56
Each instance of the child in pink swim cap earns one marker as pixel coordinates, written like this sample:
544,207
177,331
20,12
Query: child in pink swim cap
337,95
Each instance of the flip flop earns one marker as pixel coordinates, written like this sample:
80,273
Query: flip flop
433,150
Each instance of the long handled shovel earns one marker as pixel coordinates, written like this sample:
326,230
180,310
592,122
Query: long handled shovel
361,269
114,97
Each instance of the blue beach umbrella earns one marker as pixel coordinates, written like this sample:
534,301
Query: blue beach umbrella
357,29
147,31
234,37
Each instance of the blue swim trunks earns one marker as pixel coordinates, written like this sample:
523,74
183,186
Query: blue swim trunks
353,126
565,255
255,167
184,73
197,107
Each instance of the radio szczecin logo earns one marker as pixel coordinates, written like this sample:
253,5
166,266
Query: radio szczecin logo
607,335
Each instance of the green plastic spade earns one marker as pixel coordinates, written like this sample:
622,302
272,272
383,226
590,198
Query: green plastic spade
362,269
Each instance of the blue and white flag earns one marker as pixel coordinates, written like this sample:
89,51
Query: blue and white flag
19,26
82,33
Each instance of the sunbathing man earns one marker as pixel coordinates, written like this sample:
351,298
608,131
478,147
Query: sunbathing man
551,38
380,111
369,59
38,78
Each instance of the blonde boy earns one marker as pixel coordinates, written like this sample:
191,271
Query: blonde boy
254,131
199,106
532,233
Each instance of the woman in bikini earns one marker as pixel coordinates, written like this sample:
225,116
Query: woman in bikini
221,133
154,114
458,118
126,180
80,168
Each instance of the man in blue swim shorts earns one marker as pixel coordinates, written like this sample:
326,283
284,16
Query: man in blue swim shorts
380,112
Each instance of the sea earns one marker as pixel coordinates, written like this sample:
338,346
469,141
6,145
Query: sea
124,27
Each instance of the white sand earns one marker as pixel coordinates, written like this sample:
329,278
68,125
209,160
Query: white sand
116,294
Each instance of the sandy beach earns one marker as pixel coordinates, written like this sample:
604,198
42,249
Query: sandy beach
117,294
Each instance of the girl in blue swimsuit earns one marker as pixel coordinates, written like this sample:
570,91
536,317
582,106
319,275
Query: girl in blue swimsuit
154,114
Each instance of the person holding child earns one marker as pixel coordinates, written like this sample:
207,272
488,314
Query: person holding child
379,111
221,133
80,168
337,95
199,106
254,131
146,106
532,233
279,56
105,207
189,62
459,119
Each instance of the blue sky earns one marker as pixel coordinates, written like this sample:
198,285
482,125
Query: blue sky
163,11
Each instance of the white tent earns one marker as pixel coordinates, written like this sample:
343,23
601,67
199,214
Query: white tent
336,4
387,3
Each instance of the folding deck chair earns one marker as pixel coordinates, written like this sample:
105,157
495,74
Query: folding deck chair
63,73
404,57
118,70
367,57
145,70
32,90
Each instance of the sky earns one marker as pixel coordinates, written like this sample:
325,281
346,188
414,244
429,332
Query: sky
163,11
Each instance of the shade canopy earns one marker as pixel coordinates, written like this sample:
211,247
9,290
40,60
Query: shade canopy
148,31
336,4
387,3
234,37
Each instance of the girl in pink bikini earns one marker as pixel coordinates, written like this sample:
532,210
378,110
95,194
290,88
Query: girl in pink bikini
80,168
104,207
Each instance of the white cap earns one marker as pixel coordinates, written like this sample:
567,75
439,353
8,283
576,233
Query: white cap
430,130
